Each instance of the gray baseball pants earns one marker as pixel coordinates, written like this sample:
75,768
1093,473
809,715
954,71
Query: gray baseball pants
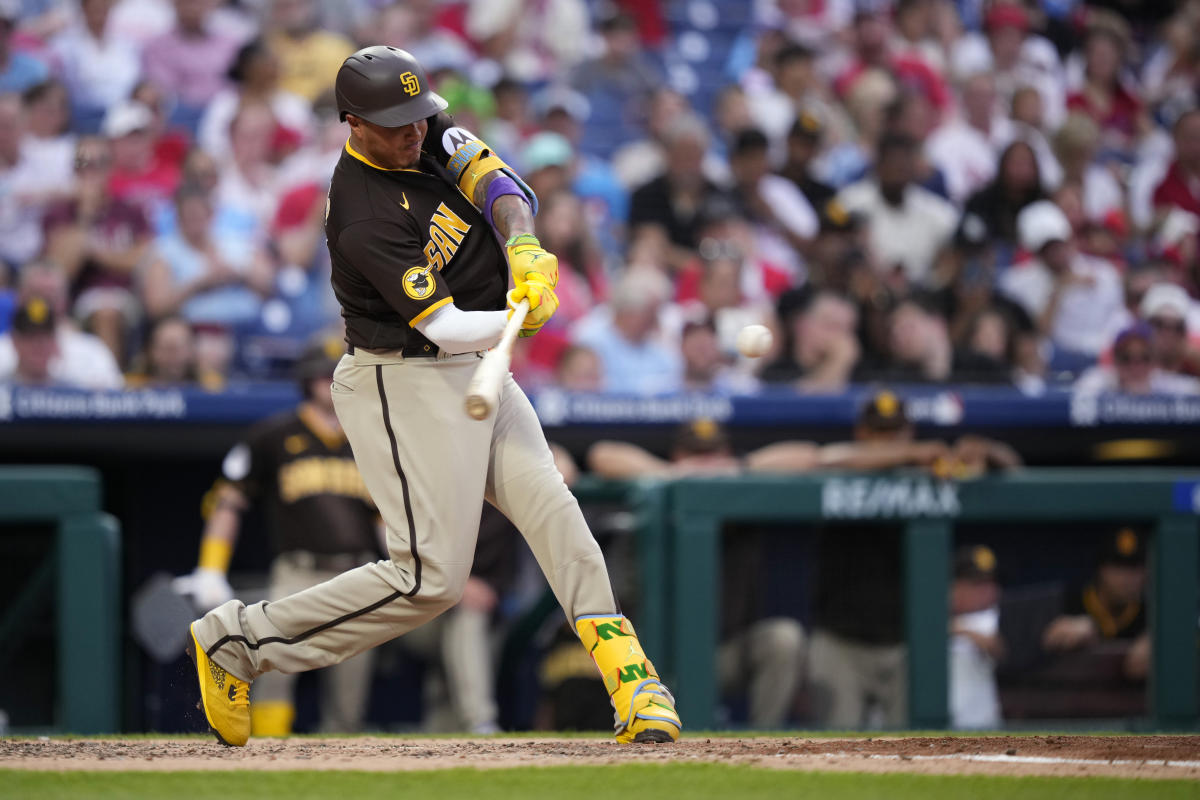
426,464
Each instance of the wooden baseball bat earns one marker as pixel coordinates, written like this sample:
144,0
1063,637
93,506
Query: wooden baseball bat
483,392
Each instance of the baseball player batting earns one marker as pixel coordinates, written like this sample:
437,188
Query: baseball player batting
416,213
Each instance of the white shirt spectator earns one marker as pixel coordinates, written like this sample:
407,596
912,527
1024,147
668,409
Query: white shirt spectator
23,189
965,155
1085,308
98,73
83,361
1038,65
910,234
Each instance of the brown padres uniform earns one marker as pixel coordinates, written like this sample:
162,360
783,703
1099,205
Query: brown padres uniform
403,243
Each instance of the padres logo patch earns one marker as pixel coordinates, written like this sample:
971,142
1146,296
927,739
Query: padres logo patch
411,86
418,283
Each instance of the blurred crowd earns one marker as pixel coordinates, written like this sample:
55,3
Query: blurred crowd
970,191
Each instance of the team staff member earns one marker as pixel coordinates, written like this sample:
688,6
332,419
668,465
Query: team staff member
298,465
415,207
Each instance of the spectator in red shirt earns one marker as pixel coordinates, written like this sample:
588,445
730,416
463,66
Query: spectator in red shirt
1181,188
871,40
139,176
1104,95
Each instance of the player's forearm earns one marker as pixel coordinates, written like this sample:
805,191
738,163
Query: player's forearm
511,214
220,536
621,460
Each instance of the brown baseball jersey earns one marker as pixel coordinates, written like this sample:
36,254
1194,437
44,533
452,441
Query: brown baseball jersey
404,243
304,473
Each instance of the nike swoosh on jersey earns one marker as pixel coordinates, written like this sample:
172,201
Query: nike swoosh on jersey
403,202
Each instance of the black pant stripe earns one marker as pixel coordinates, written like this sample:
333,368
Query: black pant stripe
412,527
412,544
237,637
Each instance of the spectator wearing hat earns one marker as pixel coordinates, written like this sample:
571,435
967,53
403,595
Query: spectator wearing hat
1110,606
975,643
819,348
34,344
98,65
141,174
191,61
254,81
1168,310
803,144
908,224
100,240
80,359
1010,50
767,652
18,70
1071,296
1133,370
1180,188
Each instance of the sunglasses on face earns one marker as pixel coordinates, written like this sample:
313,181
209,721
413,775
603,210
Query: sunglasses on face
1169,325
1134,357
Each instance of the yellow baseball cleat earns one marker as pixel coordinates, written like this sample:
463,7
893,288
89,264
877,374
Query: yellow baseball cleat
643,708
224,698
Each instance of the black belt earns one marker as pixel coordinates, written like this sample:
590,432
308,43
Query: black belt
410,350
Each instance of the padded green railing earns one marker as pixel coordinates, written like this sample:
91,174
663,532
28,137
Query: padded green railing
87,575
680,526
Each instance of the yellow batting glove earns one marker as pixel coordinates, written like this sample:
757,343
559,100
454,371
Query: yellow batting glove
543,302
528,260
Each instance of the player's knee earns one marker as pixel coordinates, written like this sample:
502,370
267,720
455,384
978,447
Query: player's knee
442,585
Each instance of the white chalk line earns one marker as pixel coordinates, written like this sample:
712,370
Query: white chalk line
1007,759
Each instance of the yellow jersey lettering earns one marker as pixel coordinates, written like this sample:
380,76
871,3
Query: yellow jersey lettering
450,223
307,477
433,257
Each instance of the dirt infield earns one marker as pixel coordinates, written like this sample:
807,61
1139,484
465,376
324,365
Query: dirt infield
1126,756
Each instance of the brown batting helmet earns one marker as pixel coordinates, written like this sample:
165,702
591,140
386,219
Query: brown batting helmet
386,86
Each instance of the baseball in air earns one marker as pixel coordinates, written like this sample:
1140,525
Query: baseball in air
753,341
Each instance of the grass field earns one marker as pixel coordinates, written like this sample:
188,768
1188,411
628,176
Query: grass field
676,781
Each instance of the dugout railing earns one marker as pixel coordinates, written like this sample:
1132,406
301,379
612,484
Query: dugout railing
679,527
81,576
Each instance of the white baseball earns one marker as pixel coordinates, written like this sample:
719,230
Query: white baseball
754,341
